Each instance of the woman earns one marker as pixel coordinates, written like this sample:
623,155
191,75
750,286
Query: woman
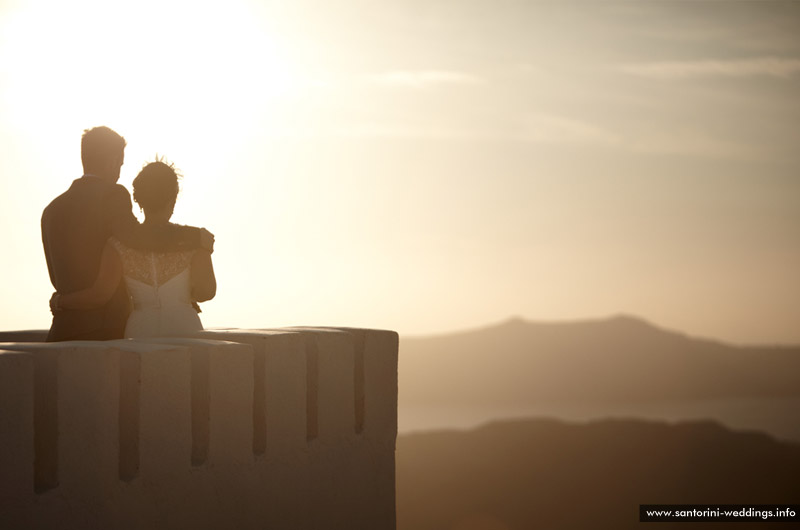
164,286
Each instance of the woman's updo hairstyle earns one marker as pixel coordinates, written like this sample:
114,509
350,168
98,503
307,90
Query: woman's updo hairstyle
156,186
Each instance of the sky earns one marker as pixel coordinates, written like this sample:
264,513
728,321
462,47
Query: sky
430,166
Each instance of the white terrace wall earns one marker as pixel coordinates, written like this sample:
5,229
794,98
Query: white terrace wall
289,428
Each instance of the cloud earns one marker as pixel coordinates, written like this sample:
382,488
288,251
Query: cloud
416,131
763,66
545,128
692,143
561,130
423,78
534,128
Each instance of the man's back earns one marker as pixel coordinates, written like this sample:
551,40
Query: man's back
75,228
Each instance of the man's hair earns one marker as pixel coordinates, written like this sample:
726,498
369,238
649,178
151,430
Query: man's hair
99,146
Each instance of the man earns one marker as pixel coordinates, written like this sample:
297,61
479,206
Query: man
76,226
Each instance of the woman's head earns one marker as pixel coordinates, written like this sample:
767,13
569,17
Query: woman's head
155,188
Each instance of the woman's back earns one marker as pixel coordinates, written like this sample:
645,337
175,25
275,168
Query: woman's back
160,286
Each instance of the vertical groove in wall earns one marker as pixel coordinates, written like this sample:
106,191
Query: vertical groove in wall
129,388
201,409
45,421
312,386
259,403
359,338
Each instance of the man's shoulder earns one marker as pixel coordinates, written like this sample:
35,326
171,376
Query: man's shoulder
119,189
89,193
118,193
56,204
100,191
104,188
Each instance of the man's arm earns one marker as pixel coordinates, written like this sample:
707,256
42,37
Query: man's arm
100,292
183,237
46,246
127,229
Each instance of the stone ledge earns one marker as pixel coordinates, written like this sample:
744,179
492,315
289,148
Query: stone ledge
281,428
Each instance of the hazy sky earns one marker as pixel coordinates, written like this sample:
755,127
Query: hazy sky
427,166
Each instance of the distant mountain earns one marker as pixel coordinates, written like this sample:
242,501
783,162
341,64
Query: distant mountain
554,475
620,359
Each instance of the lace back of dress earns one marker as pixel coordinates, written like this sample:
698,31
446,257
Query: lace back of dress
149,267
159,284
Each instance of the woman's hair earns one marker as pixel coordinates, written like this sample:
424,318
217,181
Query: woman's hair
156,186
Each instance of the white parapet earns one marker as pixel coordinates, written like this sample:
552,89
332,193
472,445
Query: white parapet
28,335
279,391
289,428
16,440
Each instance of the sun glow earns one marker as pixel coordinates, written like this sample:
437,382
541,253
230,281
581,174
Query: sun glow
184,79
224,91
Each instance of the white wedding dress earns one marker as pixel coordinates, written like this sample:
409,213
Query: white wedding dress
160,286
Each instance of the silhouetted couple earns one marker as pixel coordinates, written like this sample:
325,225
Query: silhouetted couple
114,277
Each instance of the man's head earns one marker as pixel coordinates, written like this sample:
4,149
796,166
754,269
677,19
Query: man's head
102,152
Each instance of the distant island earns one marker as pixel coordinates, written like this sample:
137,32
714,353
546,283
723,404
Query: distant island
621,364
556,475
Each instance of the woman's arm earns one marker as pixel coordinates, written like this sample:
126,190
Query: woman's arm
103,289
204,284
